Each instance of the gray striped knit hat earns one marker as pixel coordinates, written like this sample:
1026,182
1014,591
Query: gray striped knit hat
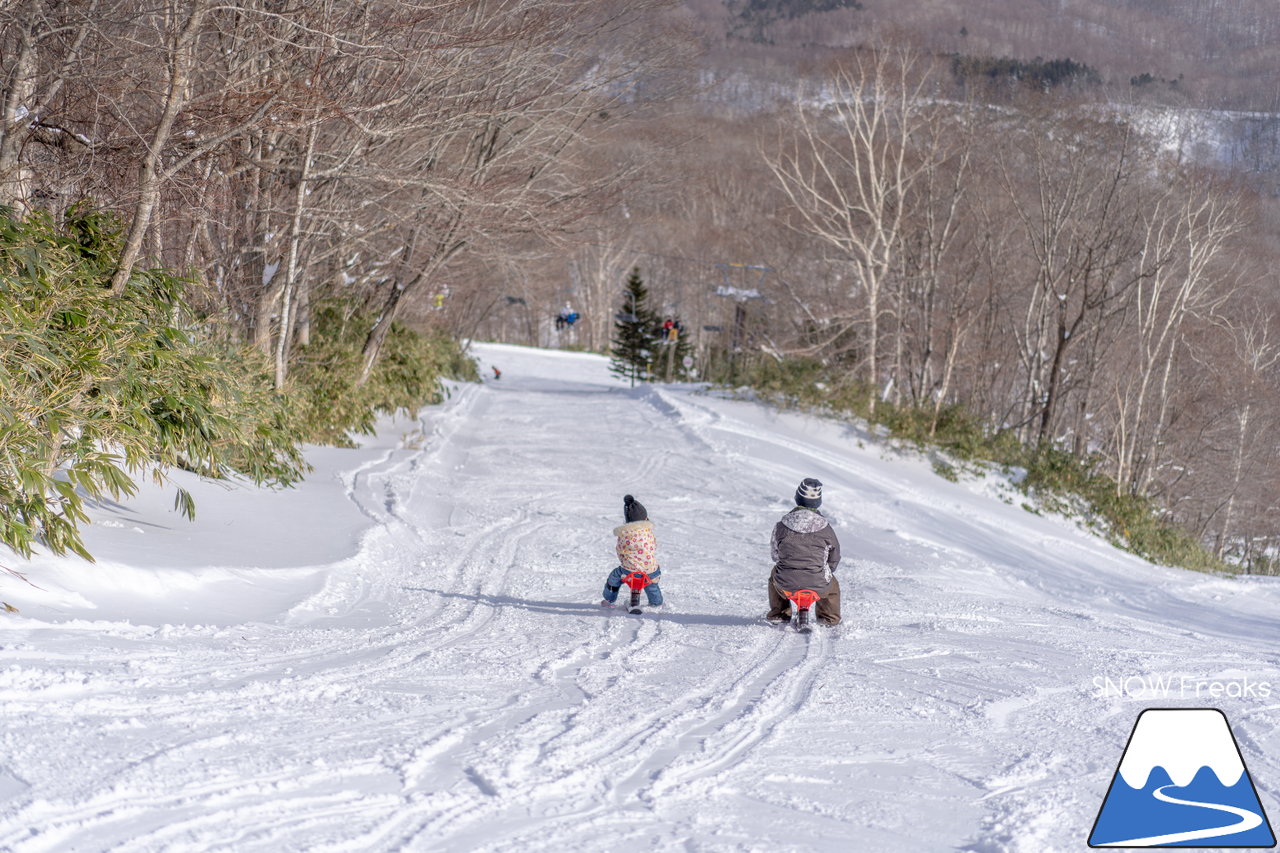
809,494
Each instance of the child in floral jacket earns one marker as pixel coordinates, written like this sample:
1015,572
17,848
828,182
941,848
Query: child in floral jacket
637,552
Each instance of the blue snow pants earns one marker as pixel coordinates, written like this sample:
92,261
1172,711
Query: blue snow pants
614,582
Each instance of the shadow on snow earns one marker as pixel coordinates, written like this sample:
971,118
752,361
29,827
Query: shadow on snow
567,608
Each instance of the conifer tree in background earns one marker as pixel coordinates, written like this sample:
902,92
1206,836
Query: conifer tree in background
632,350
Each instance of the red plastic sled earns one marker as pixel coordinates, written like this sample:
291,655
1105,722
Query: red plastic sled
637,581
805,599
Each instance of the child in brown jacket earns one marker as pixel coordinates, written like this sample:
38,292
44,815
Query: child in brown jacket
805,554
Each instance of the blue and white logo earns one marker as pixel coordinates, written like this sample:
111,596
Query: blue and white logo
1182,783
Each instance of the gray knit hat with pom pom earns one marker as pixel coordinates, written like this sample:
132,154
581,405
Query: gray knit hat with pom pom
633,510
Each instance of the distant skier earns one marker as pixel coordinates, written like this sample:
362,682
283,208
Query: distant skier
566,318
497,374
637,552
805,554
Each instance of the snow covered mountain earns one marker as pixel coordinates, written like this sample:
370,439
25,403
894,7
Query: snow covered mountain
1181,743
407,652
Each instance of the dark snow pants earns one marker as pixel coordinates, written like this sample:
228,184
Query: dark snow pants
827,610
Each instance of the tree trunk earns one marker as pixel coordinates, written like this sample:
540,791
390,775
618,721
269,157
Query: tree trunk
15,178
1053,386
442,252
291,264
181,60
262,322
378,334
1237,478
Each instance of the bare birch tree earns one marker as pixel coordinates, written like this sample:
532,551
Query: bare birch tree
848,172
598,270
1081,234
940,261
1258,352
1187,231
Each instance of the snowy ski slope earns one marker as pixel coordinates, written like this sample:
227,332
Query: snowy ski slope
407,653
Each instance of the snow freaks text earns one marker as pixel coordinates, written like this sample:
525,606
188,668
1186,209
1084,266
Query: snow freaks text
1181,687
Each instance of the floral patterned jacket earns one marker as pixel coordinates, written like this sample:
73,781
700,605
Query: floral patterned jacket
637,547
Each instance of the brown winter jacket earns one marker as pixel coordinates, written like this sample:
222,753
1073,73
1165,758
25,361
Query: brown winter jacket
805,551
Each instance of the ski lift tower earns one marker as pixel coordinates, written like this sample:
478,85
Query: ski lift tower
740,295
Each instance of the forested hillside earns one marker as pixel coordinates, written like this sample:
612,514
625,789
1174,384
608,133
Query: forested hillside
1036,233
1043,236
1214,54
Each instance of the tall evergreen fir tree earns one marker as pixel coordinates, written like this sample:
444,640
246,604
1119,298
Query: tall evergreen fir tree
633,347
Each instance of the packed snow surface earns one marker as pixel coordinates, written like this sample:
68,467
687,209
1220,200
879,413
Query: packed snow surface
407,652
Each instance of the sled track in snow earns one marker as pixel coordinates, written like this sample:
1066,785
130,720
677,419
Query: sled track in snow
631,765
749,712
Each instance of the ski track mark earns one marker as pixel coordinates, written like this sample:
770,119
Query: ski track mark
686,748
755,707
